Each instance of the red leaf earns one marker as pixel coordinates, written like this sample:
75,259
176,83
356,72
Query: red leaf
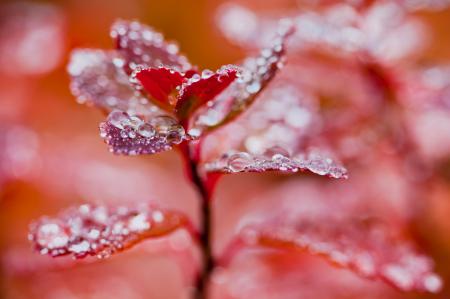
100,231
130,135
277,159
160,84
142,46
364,246
199,90
256,74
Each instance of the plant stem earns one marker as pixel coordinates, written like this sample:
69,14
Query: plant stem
201,286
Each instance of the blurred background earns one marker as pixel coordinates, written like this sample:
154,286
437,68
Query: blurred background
51,157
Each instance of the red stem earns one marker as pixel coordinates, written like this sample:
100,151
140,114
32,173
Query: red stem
191,157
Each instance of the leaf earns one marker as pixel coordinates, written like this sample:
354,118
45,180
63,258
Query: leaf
131,135
277,159
100,231
371,31
361,245
25,27
160,84
256,74
98,80
280,275
142,46
199,90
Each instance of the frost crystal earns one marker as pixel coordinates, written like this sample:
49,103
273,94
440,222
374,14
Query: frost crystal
100,231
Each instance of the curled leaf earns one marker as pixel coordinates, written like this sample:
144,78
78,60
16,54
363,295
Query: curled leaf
98,80
277,159
256,74
141,45
199,90
100,231
160,83
131,135
364,246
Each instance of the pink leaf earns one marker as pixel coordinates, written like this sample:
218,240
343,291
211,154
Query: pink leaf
370,31
130,135
276,159
256,73
98,80
362,245
281,275
160,84
100,231
142,46
199,90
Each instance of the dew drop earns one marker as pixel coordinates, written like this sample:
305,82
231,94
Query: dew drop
138,223
146,130
132,134
176,134
81,247
318,165
432,283
52,235
118,119
276,153
207,73
163,124
135,122
253,87
239,161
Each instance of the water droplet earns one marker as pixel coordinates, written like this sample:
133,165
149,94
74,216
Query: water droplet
52,235
146,130
138,223
176,134
399,276
135,122
163,124
158,216
432,283
207,73
253,87
132,134
118,119
276,153
239,161
318,165
81,247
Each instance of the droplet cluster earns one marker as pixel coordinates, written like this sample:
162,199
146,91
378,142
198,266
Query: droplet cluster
99,231
277,159
200,90
363,247
339,29
256,73
142,46
130,135
99,80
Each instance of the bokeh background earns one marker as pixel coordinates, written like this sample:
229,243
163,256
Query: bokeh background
51,157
